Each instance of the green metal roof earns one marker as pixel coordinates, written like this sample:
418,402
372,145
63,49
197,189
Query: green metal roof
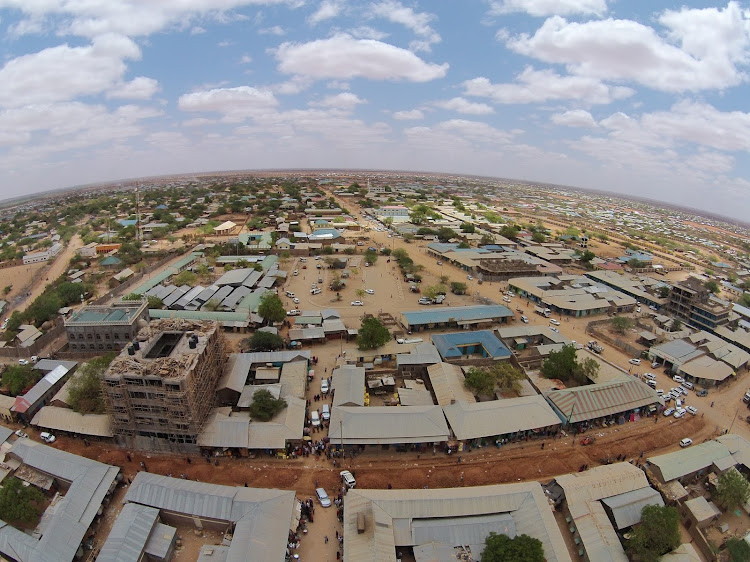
199,315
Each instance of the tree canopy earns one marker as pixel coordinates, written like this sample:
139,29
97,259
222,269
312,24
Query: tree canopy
564,366
264,406
458,288
19,503
657,534
523,548
732,489
712,286
85,393
445,234
271,309
263,341
16,378
372,334
484,380
480,381
621,324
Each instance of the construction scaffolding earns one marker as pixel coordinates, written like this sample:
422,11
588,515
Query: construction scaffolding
160,389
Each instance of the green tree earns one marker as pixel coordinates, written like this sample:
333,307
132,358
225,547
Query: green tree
16,378
480,381
463,245
271,309
712,286
433,291
445,234
458,288
732,490
538,237
486,240
510,231
155,302
523,548
185,278
621,324
676,325
7,289
468,228
19,503
360,293
586,257
264,406
663,292
263,341
657,534
371,256
738,549
372,334
603,237
507,376
564,366
85,393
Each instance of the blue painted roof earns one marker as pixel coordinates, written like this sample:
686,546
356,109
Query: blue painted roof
450,345
456,314
443,247
128,222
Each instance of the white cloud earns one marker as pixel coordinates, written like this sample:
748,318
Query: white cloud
224,44
246,59
342,56
63,72
328,9
534,86
140,88
274,30
197,30
235,104
462,105
574,118
20,28
408,115
198,122
627,50
345,101
130,17
338,85
418,22
542,8
366,32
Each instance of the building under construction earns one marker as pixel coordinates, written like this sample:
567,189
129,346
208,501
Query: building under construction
160,389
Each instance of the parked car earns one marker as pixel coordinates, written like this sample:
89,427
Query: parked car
668,412
679,412
20,433
635,361
650,376
358,303
524,319
5,324
325,412
686,442
314,418
295,300
506,299
554,322
23,361
324,386
688,385
654,365
296,272
469,277
348,479
554,329
293,312
678,378
702,392
370,291
323,498
47,437
692,409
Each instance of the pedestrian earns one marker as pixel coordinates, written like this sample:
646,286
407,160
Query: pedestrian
129,458
542,445
712,404
326,539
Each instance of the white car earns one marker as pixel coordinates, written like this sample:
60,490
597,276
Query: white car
370,291
20,433
679,412
686,442
659,391
5,324
668,412
314,418
325,412
324,386
635,361
348,479
295,272
23,361
293,312
358,303
692,409
554,329
687,385
554,322
323,498
678,378
47,437
506,299
469,277
295,300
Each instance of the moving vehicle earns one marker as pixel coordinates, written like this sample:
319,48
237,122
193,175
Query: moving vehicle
316,291
440,263
295,300
295,272
370,291
293,312
524,319
542,311
469,277
314,418
290,294
506,299
325,412
358,303
635,361
323,498
348,479
324,386
47,437
594,346
686,442
555,322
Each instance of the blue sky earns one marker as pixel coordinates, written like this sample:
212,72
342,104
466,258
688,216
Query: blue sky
643,98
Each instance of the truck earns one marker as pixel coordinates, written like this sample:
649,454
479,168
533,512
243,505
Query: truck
542,311
594,346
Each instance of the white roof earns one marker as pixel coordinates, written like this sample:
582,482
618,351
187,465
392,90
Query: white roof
227,225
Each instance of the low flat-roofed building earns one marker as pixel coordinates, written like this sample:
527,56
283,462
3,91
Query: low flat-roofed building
105,328
507,417
138,535
572,295
86,482
54,418
465,317
349,385
240,367
686,463
584,494
641,287
701,511
628,398
463,345
26,406
450,517
384,425
446,382
260,518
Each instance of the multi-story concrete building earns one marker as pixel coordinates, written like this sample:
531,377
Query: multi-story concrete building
160,390
693,303
106,328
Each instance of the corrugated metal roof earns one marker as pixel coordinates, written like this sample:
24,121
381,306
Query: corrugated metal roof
738,446
63,419
690,459
128,537
39,390
702,509
456,314
414,397
388,424
5,432
626,508
391,514
458,344
349,383
222,430
447,382
499,417
596,401
238,365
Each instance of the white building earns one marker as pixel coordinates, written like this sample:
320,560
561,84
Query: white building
37,257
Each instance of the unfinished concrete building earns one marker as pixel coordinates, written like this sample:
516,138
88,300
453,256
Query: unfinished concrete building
160,389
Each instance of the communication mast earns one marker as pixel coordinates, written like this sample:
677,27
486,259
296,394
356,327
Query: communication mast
137,214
